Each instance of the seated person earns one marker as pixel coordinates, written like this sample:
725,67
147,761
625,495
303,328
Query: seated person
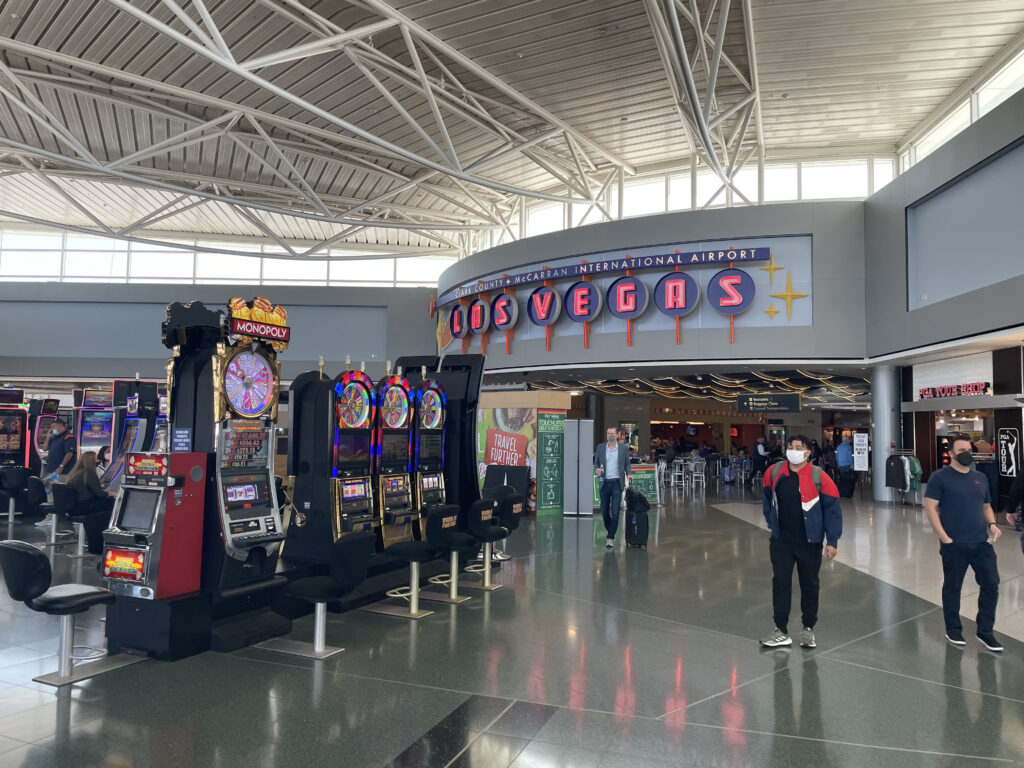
94,504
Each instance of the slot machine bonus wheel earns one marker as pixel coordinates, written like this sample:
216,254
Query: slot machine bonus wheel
249,383
394,407
353,406
431,410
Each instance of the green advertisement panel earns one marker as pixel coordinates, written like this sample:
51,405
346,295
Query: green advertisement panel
550,461
645,480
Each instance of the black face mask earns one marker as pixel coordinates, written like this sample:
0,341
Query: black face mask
965,459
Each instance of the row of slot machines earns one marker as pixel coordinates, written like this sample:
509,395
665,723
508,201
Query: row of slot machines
362,456
138,423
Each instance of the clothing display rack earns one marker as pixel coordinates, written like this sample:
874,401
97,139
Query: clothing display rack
903,475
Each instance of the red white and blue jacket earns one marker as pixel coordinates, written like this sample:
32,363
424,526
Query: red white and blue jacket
823,519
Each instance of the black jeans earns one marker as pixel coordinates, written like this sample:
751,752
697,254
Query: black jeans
806,556
611,499
955,559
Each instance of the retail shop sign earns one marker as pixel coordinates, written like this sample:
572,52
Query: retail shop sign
768,403
1007,440
969,389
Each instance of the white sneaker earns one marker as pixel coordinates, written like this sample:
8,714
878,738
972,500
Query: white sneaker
776,639
610,544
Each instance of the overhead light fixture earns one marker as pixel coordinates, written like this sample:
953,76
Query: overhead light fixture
575,393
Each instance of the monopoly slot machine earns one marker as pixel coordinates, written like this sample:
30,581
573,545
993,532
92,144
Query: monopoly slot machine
428,458
246,523
393,458
95,420
42,414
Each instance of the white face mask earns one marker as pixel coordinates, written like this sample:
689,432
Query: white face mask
795,457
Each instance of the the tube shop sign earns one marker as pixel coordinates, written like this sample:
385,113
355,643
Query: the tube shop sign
493,307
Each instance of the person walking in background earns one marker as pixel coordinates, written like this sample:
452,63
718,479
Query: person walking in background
801,507
959,508
611,462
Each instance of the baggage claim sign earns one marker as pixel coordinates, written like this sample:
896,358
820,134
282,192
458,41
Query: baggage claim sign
493,304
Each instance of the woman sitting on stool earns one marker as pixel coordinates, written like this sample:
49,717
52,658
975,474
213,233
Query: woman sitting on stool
94,504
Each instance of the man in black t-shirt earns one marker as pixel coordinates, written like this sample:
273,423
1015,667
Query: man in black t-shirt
959,507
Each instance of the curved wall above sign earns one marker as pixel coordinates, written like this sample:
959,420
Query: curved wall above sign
775,282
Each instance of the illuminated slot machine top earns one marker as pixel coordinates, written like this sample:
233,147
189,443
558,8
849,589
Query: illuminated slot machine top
431,409
96,420
393,457
14,436
355,406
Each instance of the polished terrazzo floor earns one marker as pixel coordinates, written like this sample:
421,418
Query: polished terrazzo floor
586,658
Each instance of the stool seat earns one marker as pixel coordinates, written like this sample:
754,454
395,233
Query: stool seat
317,589
46,507
70,598
491,533
412,551
459,541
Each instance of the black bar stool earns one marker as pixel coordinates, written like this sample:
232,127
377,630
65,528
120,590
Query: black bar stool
443,532
350,557
479,525
414,553
64,501
27,575
13,482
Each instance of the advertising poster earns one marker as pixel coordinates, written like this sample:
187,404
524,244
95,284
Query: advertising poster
860,452
508,437
550,461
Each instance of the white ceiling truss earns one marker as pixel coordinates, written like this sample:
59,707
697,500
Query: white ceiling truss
413,127
716,113
462,123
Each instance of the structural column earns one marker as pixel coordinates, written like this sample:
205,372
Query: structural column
885,424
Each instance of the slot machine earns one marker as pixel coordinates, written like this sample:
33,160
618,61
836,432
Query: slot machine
329,455
42,414
428,456
135,410
160,442
14,433
153,547
244,531
152,555
95,419
355,408
393,458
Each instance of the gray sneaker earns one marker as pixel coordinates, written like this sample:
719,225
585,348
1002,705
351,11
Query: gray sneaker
776,639
807,638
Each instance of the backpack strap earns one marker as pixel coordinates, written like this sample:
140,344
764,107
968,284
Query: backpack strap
816,476
775,472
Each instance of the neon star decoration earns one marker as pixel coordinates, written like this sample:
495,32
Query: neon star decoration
771,269
771,311
789,295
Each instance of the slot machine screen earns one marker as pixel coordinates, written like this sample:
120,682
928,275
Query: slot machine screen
50,407
96,429
246,492
138,510
353,450
12,396
12,436
353,490
394,448
430,446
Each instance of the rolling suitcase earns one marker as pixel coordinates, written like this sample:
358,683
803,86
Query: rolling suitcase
637,528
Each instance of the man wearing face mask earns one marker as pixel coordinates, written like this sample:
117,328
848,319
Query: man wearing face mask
801,507
959,507
60,453
611,462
